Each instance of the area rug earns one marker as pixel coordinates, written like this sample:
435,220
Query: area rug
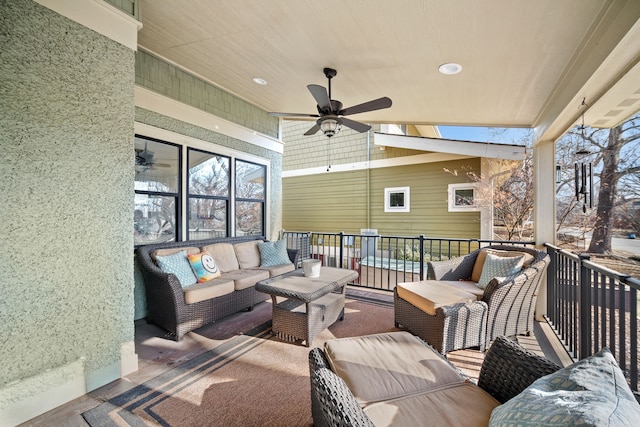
249,380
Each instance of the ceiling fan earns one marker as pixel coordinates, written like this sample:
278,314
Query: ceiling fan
330,112
144,159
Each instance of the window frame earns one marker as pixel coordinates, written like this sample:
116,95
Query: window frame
451,197
237,199
190,196
176,195
394,190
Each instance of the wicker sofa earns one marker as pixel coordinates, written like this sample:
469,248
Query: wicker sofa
393,379
504,308
180,310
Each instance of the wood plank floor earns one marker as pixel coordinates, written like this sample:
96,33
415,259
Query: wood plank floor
157,355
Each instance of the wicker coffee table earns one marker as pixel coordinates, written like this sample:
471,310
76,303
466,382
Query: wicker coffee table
307,305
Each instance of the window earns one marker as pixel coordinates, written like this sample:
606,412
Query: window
157,183
462,197
396,199
185,192
209,194
250,181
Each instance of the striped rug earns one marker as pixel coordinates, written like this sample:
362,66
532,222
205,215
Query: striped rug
251,379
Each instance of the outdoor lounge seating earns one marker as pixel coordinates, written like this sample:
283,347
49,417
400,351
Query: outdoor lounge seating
180,308
467,302
395,379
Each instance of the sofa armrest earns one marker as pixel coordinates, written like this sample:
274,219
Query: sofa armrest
458,268
337,406
508,369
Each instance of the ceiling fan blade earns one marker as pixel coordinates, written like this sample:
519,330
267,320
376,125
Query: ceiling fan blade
376,104
320,95
313,130
292,115
357,126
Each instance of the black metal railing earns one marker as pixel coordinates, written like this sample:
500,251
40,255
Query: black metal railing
591,307
382,261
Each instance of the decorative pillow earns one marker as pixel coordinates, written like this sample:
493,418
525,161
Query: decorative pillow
496,266
591,392
482,255
178,264
273,253
204,267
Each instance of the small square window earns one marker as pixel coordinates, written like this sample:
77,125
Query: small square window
396,199
462,197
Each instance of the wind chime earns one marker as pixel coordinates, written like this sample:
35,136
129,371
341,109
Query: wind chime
584,170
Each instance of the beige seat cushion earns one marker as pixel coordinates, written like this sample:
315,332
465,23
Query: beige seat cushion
248,254
207,290
482,256
277,270
190,250
458,405
390,365
429,295
467,286
224,255
244,279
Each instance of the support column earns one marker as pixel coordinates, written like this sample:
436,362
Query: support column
544,207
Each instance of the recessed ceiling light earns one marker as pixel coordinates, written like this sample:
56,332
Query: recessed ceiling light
260,81
450,68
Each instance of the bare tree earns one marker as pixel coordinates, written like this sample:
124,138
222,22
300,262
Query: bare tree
615,155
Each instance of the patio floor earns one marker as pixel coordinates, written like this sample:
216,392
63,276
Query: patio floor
157,355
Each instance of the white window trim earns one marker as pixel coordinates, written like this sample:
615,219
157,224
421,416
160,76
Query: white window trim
407,198
451,191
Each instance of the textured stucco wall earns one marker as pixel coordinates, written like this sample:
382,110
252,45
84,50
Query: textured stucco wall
274,186
66,205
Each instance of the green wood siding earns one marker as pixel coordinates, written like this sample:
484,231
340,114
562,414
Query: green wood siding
335,202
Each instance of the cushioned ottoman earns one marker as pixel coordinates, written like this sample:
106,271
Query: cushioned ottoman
447,317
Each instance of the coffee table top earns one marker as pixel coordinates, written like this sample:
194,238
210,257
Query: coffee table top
294,285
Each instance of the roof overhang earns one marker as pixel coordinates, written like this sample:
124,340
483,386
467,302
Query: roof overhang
468,148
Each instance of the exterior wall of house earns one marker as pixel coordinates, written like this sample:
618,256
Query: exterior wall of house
66,132
166,79
351,200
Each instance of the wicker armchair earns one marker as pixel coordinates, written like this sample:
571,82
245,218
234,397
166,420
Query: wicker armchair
506,308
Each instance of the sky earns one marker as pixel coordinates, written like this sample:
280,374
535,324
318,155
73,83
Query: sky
481,134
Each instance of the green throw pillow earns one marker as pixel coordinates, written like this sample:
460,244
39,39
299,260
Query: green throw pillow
273,253
591,392
497,266
179,265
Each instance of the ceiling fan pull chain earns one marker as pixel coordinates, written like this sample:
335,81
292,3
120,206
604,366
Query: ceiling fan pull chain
329,154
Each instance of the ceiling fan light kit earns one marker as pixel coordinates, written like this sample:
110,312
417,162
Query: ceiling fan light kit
330,112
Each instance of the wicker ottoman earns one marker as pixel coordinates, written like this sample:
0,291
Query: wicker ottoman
445,318
294,320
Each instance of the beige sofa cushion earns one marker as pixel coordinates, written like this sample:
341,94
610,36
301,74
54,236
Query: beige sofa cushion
224,255
457,405
482,256
243,279
467,286
277,270
207,290
190,250
429,295
248,254
390,365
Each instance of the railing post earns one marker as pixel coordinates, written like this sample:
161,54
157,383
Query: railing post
341,263
584,306
552,284
421,245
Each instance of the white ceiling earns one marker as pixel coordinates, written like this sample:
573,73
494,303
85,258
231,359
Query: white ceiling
525,63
